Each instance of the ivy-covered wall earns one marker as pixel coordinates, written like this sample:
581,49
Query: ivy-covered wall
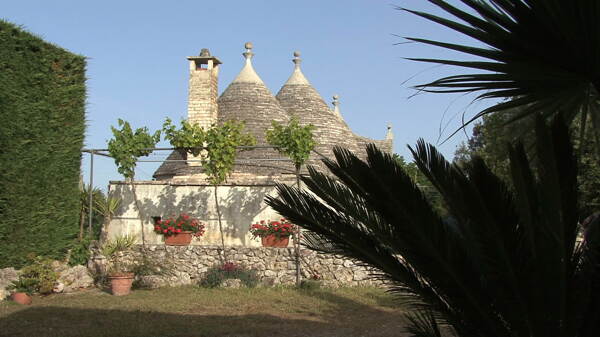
42,123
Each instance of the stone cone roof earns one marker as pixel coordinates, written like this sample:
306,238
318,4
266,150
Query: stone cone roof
300,99
248,99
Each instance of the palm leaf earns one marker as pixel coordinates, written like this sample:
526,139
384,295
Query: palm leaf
505,263
544,53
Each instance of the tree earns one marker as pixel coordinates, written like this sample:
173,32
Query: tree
296,142
217,148
422,182
126,147
221,143
543,52
508,262
491,136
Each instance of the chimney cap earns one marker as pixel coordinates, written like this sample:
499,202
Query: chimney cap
204,57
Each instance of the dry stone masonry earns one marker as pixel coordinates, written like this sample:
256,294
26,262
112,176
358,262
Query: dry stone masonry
275,266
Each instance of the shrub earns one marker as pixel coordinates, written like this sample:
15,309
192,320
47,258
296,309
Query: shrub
23,285
229,270
80,252
42,124
146,266
39,275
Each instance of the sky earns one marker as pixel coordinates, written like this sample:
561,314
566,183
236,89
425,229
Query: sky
137,69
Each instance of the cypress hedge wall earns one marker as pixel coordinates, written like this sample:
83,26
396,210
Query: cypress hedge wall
42,123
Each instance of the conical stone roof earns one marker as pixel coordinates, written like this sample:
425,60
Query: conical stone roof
299,98
248,99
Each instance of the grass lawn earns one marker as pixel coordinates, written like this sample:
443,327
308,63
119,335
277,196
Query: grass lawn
192,311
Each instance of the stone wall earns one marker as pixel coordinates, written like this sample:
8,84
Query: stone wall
274,265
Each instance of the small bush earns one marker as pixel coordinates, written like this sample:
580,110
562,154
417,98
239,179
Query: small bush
23,285
229,270
39,275
146,267
80,252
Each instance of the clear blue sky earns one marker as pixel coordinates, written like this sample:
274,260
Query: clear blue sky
137,68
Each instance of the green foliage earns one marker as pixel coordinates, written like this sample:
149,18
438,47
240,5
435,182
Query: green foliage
221,143
23,285
42,123
190,137
491,137
292,140
508,262
127,146
97,216
412,170
526,50
39,275
216,275
146,266
80,252
113,250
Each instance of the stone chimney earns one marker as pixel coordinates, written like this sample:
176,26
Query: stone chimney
203,92
203,89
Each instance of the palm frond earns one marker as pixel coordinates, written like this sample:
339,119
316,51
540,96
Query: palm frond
527,53
505,263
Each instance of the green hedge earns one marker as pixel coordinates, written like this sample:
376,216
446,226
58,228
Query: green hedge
42,124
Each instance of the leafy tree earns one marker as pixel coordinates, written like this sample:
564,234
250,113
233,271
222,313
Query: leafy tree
492,135
412,170
296,142
220,144
508,263
189,138
543,52
126,147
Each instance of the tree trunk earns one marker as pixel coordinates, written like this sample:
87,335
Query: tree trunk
139,209
81,222
298,235
223,258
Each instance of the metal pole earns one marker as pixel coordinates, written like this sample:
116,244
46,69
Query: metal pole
91,211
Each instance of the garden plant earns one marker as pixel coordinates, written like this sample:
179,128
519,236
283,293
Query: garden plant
296,142
505,262
126,147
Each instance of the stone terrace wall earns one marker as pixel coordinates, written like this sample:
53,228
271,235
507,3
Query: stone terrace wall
274,265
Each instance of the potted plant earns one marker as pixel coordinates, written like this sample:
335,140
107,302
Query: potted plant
273,233
178,231
120,269
22,290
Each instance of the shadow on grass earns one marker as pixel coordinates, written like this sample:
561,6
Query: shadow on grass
343,317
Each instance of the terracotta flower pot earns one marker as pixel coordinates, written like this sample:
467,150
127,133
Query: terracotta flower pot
179,239
274,241
21,298
121,284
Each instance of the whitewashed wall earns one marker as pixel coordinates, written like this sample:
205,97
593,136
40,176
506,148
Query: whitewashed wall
240,207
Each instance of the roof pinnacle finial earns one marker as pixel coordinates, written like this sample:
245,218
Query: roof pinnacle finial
297,60
389,135
204,52
336,105
248,53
